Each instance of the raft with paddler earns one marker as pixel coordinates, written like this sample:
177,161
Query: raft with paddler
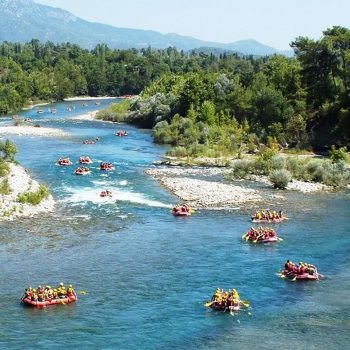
226,301
268,216
261,235
47,296
300,272
182,210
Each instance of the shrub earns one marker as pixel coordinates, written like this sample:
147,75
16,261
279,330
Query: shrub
280,178
242,168
4,168
5,186
337,155
34,198
178,151
292,165
278,162
264,162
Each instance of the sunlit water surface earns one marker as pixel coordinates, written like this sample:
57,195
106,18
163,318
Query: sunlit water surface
146,273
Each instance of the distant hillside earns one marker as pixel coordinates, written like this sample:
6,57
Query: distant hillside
23,20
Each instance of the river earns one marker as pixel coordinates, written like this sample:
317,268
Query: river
146,274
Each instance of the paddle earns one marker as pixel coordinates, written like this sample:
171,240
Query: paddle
245,303
83,292
208,304
279,239
258,237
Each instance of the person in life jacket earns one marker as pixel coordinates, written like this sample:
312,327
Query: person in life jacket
28,293
61,290
288,265
70,290
49,292
41,293
34,295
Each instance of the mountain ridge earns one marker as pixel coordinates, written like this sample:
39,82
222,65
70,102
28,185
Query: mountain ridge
24,20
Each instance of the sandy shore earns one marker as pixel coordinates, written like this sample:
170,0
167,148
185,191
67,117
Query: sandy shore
20,182
25,130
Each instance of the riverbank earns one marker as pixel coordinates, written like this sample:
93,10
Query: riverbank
201,193
29,130
88,98
87,116
20,182
190,185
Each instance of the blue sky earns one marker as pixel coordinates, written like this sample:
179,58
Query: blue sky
273,22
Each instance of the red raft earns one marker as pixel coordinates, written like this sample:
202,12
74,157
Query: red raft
106,193
269,220
306,276
106,166
121,133
263,235
50,302
85,160
64,162
300,272
181,211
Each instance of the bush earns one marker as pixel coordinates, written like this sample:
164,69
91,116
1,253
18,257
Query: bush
34,198
4,168
178,151
242,168
315,170
336,175
263,164
293,165
9,150
280,178
5,186
338,155
278,162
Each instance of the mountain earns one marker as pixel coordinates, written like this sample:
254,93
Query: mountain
23,20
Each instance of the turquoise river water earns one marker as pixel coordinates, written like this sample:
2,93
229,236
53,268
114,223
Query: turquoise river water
146,273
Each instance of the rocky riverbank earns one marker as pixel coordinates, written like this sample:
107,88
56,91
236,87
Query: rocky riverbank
190,184
201,193
20,182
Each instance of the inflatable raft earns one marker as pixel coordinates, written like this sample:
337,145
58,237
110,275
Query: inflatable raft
121,133
106,193
82,171
218,307
181,212
50,302
300,277
268,220
64,162
265,240
85,160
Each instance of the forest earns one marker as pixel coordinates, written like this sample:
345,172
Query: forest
198,102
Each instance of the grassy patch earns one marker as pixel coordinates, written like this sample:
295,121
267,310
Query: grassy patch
35,197
5,186
118,112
